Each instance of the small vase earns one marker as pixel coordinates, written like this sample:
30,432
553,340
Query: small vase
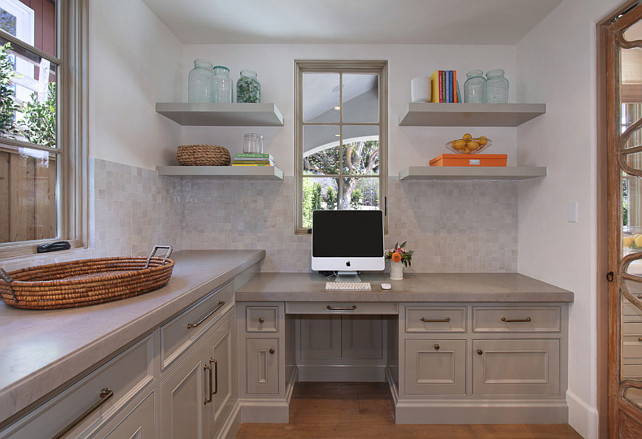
396,270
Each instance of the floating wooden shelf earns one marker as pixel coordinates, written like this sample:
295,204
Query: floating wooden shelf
221,114
470,173
478,115
248,172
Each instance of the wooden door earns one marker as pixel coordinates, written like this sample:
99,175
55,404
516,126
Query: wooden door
623,44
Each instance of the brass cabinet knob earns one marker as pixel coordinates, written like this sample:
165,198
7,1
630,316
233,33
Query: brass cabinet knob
436,347
479,351
271,351
261,320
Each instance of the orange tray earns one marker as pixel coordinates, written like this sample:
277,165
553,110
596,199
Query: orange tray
469,160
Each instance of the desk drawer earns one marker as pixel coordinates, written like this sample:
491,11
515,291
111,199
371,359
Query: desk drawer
125,375
436,319
182,331
516,319
261,318
375,308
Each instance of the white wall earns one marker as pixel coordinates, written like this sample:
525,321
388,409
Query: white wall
134,62
407,145
556,65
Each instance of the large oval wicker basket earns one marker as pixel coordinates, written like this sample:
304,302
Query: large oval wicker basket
84,282
203,155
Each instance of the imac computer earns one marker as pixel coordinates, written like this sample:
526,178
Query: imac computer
347,242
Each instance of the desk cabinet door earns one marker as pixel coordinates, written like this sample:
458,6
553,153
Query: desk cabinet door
222,391
513,367
262,365
435,367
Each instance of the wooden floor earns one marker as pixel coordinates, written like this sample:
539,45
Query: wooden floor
354,410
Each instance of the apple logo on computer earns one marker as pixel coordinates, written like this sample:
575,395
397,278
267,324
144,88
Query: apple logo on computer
348,264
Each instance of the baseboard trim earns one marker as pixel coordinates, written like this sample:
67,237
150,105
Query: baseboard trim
481,412
232,424
583,418
342,373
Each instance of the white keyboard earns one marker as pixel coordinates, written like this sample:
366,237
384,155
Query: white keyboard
353,286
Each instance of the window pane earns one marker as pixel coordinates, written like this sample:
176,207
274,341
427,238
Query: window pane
357,193
360,98
28,96
28,194
318,194
321,153
361,149
36,27
321,97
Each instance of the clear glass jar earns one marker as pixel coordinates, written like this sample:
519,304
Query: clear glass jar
496,87
200,82
475,87
253,143
248,88
223,85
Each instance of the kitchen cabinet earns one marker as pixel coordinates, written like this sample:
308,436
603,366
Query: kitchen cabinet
435,367
138,424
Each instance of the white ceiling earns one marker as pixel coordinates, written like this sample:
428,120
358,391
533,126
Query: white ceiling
351,21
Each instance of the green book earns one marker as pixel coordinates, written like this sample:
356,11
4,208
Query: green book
254,156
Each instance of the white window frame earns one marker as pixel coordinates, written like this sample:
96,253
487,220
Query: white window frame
71,180
340,66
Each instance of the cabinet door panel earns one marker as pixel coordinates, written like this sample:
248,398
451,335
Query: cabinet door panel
262,365
361,337
182,398
138,424
516,366
320,337
435,367
221,354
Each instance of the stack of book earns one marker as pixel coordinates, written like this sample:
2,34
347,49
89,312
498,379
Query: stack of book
445,87
253,159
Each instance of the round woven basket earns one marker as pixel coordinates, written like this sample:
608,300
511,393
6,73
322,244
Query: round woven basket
203,155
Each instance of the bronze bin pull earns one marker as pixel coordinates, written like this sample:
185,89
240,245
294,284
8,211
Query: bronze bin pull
526,320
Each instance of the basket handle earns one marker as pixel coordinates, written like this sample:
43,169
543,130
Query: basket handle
8,279
156,247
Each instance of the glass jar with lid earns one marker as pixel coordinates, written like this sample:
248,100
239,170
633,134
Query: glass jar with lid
475,87
248,88
496,87
223,84
200,82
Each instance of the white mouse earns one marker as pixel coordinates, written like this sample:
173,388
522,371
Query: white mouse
386,286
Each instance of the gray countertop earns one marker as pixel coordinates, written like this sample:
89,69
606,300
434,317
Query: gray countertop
41,350
415,287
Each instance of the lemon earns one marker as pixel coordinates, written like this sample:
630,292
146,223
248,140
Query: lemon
483,141
628,241
466,150
458,144
472,145
638,241
467,136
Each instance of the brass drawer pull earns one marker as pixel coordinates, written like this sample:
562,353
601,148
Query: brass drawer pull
261,320
212,360
194,325
639,338
526,320
208,370
105,394
425,320
479,352
338,308
436,347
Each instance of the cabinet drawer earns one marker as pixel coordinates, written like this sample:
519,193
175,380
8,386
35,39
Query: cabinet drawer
183,330
377,308
429,319
261,318
126,375
435,367
516,319
513,367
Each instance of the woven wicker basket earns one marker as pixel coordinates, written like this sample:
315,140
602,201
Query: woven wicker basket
203,155
83,282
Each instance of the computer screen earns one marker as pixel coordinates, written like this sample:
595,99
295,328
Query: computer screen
347,241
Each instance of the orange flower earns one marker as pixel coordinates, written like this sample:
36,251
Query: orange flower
396,257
